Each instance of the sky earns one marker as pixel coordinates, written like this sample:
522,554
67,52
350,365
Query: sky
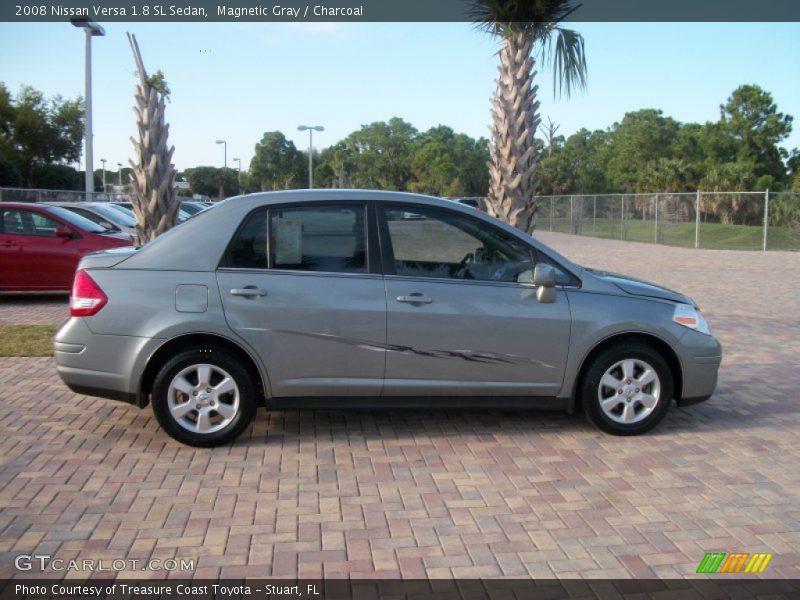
236,81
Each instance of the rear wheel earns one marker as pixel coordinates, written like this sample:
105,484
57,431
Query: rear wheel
204,397
627,390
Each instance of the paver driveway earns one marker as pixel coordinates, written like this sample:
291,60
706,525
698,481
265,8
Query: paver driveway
436,493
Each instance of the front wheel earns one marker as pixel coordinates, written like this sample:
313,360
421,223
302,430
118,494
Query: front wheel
204,397
627,390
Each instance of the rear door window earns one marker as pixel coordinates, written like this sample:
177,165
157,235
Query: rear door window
319,238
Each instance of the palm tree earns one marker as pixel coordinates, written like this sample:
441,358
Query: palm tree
154,202
529,30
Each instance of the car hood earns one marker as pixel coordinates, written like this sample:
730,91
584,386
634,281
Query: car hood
638,287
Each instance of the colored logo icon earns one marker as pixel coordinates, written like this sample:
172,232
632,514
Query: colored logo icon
736,562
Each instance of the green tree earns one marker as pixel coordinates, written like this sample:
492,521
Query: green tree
793,163
277,164
751,118
577,165
381,153
524,28
730,208
664,175
35,131
61,177
208,181
334,167
445,163
641,138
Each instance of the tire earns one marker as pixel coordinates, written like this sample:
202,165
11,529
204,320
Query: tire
194,403
627,390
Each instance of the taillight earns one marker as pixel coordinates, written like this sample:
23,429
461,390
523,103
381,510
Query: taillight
86,298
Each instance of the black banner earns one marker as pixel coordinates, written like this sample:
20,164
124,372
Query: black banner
434,589
382,10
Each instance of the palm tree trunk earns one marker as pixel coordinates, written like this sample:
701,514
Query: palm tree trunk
154,203
515,119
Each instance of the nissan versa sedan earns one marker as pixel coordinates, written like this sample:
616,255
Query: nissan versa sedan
342,298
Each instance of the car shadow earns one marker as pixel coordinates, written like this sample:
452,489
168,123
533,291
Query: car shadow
717,414
35,298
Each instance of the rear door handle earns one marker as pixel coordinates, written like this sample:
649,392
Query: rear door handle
8,244
248,292
415,298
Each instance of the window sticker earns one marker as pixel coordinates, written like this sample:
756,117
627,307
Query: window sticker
288,241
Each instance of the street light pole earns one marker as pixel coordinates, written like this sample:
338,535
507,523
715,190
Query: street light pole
225,146
91,29
225,168
103,160
119,173
239,173
311,129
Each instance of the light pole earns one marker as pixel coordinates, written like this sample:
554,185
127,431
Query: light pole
239,173
91,29
222,179
104,161
225,146
119,165
311,129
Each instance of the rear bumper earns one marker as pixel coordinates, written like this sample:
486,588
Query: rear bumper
104,393
106,366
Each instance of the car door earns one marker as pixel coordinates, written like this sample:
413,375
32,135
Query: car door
14,274
34,257
299,285
460,318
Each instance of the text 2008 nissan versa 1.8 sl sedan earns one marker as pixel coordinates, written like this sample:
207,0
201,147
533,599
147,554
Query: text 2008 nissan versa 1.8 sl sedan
342,298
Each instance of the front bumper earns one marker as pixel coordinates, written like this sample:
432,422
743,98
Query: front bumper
701,358
107,366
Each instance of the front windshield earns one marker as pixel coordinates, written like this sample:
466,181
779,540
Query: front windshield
77,220
120,207
190,208
114,215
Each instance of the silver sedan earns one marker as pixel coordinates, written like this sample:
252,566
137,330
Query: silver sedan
341,298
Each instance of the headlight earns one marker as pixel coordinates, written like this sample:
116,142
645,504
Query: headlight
690,317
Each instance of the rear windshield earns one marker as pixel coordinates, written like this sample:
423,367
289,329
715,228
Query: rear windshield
77,220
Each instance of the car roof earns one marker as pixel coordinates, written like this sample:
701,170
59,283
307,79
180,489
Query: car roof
80,203
21,204
323,195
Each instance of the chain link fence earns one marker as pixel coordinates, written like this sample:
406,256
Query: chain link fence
715,220
34,195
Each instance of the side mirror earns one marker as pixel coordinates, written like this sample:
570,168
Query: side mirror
544,277
64,232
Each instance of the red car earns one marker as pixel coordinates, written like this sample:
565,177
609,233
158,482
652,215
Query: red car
40,246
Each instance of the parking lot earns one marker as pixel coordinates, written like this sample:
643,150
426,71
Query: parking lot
431,493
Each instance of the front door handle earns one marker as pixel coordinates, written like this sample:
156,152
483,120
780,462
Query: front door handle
248,292
415,298
8,244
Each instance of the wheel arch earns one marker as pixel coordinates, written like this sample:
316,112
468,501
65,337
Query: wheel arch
182,342
666,351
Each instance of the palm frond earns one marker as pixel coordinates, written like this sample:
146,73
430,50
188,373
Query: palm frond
564,49
533,18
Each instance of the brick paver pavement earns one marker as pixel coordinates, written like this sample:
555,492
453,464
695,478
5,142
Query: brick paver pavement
435,493
33,309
